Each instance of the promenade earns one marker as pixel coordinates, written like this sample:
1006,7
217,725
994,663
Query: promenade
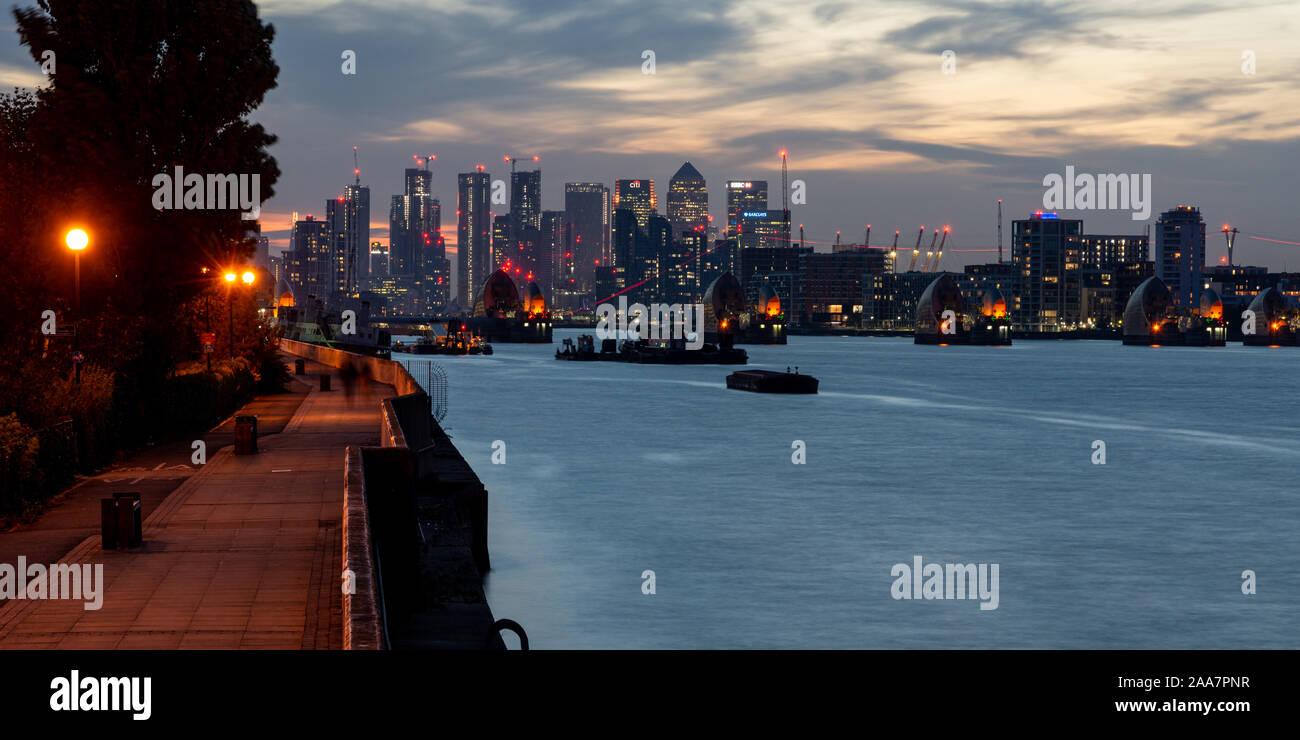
245,553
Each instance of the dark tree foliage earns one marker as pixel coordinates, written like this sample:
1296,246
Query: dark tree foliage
139,87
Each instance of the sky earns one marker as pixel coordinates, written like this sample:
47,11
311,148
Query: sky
857,92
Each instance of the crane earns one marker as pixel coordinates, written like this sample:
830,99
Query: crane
939,254
916,249
930,252
785,205
356,168
893,253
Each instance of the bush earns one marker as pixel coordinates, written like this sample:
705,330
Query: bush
19,476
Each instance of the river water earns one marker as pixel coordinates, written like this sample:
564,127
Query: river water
964,455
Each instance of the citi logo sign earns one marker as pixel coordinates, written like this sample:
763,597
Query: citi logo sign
93,694
1102,192
659,321
208,192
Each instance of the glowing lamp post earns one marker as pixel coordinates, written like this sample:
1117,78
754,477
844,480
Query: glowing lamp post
76,241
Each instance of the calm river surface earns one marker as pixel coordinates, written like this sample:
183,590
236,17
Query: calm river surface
956,454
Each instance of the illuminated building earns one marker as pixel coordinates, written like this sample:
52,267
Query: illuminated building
473,232
1180,253
587,226
742,196
637,196
1045,258
688,201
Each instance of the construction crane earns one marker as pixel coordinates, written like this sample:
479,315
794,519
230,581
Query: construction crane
916,249
939,254
785,204
999,230
930,252
1230,234
893,253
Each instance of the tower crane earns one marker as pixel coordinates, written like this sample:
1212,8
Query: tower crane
939,254
930,252
916,249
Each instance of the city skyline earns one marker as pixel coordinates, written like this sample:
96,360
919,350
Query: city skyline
855,93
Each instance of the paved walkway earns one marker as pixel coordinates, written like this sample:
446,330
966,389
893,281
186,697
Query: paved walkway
246,553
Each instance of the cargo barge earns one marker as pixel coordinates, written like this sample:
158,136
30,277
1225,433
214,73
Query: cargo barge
767,381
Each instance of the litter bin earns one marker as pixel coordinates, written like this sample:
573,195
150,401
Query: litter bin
130,519
108,523
121,521
299,367
245,435
324,381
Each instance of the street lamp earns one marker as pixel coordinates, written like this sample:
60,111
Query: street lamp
76,241
248,278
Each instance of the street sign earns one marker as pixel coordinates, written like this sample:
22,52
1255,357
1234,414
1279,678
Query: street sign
209,340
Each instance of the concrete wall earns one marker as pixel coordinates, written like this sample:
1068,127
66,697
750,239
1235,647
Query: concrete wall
375,368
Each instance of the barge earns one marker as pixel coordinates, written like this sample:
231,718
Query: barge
767,381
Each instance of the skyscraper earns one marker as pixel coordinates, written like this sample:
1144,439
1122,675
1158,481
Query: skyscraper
587,224
409,222
1180,253
637,196
473,234
1045,257
688,201
525,199
744,196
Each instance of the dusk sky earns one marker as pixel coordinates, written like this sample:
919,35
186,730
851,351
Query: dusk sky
854,91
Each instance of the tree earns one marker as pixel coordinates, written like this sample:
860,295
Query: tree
139,87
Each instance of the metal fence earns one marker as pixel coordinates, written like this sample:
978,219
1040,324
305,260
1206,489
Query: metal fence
432,377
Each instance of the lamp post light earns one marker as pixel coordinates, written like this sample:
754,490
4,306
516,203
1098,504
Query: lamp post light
248,277
76,241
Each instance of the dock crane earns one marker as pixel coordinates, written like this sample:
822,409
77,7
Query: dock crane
916,249
939,254
930,252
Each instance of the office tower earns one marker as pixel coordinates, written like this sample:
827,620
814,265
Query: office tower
378,260
742,196
354,229
1045,253
473,233
409,223
310,264
501,248
627,241
766,229
1180,253
637,196
525,199
587,225
688,201
553,267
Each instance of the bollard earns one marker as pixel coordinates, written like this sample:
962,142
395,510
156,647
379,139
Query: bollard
325,381
130,519
245,435
108,523
299,367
